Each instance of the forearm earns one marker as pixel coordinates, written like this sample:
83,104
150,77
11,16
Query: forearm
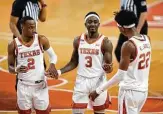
14,30
113,81
70,66
143,17
43,14
12,69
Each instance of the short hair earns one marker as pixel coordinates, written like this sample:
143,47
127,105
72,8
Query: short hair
91,12
26,18
125,18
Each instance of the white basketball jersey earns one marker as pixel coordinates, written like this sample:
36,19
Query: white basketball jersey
138,70
90,57
32,57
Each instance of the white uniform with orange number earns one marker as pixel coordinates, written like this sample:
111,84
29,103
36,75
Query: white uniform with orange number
32,91
134,88
90,74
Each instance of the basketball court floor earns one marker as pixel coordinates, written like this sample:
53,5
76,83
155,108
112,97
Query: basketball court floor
65,21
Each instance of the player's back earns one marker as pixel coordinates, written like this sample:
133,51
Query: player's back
138,70
32,57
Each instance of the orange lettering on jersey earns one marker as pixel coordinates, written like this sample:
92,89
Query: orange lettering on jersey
89,51
30,53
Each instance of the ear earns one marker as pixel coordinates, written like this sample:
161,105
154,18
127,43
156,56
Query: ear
85,25
122,29
98,24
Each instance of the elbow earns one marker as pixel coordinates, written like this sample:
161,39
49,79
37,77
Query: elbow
42,19
11,25
10,71
74,64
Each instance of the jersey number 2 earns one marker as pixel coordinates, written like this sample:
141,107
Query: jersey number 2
89,61
31,63
144,59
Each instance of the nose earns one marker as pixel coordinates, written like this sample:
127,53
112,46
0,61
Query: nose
92,24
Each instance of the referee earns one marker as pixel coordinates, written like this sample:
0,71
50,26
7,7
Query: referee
139,7
21,8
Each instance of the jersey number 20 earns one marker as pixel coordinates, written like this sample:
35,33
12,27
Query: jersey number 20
144,60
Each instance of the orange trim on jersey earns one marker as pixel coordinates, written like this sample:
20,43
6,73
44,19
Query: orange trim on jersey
79,105
16,47
39,42
102,107
140,39
85,37
27,44
136,52
124,108
149,39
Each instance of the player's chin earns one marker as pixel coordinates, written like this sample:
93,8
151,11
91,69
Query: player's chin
108,71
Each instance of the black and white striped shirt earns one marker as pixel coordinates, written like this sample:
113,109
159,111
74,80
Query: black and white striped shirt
137,6
22,8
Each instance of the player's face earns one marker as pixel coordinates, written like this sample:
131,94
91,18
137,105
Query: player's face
122,30
29,28
92,24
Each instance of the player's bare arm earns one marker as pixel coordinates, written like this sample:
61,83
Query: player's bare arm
107,48
52,56
11,60
13,27
73,63
43,11
128,51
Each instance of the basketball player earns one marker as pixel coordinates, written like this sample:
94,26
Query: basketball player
92,54
133,72
27,52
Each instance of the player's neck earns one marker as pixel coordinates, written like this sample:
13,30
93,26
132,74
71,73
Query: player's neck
132,33
92,35
26,39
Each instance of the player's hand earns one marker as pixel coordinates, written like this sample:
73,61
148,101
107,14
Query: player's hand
21,69
93,95
52,72
42,2
107,67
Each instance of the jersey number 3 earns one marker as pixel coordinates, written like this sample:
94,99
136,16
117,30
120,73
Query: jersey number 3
144,60
31,63
88,61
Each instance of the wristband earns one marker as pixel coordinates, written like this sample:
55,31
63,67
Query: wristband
59,72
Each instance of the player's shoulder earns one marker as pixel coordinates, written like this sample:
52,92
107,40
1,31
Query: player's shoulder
129,45
42,37
12,44
76,41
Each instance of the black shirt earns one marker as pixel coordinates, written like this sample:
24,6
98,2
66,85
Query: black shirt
137,6
22,8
